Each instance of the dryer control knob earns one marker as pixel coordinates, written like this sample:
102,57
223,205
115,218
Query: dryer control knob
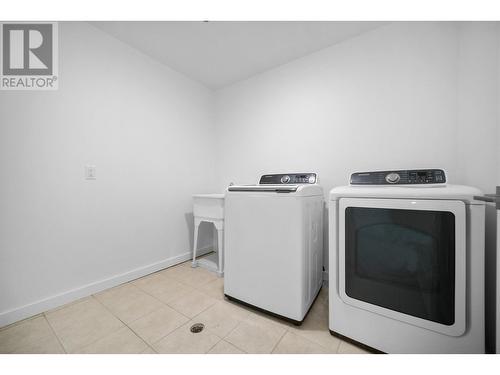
285,179
392,178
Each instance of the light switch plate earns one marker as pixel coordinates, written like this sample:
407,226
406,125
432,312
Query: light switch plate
90,172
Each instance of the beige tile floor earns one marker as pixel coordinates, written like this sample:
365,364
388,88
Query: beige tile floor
153,314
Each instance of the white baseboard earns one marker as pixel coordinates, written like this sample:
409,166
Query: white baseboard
34,308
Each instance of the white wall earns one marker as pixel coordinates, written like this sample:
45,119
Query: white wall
385,99
478,104
407,95
149,131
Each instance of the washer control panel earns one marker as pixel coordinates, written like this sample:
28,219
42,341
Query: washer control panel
288,179
402,177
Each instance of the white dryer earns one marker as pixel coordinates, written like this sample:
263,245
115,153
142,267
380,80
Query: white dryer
406,263
274,244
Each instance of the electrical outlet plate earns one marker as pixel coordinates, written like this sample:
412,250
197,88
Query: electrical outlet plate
90,172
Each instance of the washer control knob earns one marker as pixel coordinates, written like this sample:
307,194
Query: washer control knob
285,179
392,178
311,179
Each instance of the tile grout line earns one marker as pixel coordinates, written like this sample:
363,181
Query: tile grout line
202,311
114,331
140,338
286,329
338,347
44,314
93,297
185,324
213,346
223,338
194,288
315,343
13,324
179,312
191,318
54,332
162,337
236,346
280,339
298,333
191,268
167,276
165,305
68,304
311,341
126,325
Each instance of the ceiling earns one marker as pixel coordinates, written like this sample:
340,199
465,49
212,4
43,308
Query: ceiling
218,54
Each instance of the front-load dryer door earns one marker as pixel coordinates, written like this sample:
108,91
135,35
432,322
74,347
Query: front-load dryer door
405,259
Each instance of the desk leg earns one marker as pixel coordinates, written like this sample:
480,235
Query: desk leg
220,250
195,242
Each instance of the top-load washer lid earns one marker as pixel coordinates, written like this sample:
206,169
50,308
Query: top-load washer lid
404,184
303,184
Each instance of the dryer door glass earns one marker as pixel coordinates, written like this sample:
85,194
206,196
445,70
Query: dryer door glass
403,260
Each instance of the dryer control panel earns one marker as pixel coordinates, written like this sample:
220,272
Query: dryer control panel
401,177
288,178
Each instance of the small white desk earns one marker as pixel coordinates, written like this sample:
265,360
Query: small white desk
209,208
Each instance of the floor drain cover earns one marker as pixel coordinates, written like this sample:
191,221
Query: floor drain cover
197,327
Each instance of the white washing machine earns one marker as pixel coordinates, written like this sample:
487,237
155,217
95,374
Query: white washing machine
274,244
406,263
